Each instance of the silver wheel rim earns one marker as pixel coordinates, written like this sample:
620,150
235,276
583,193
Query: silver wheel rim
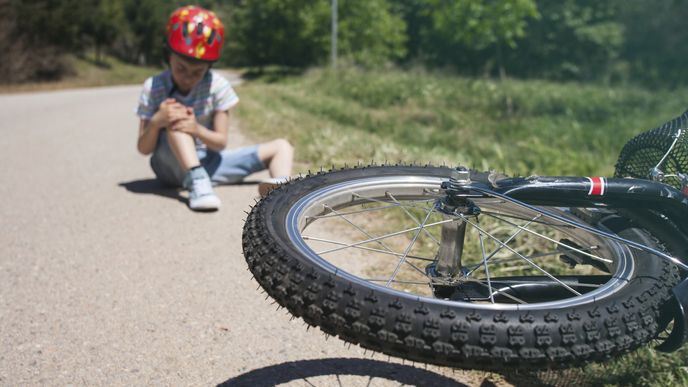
329,200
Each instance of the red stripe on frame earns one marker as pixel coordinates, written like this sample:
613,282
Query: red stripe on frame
596,186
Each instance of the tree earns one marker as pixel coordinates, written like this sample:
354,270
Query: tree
297,33
146,20
285,32
476,25
573,39
370,33
35,35
104,25
655,47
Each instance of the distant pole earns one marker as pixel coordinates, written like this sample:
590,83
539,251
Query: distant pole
334,33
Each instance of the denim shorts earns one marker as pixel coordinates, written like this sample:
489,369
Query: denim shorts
225,167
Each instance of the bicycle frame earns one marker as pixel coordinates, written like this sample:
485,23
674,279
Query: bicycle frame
600,192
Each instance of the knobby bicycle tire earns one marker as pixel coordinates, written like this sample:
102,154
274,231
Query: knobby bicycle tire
438,332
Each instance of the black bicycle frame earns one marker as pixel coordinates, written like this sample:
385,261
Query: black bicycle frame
599,192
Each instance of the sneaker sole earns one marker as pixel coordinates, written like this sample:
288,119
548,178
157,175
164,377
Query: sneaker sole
206,207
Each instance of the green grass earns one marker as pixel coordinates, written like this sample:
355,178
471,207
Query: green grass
110,71
520,127
87,73
532,127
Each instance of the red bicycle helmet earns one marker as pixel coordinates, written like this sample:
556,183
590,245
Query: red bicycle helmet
195,32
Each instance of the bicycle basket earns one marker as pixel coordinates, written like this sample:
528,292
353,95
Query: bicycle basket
645,152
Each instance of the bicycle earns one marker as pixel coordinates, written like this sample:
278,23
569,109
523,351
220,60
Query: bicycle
477,270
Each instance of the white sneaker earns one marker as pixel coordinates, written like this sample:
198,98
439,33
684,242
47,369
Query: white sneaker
265,186
201,195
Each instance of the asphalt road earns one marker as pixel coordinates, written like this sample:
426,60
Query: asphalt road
108,279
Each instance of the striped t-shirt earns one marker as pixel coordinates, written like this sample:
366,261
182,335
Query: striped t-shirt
213,93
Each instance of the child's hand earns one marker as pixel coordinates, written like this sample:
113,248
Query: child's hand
176,112
186,122
170,111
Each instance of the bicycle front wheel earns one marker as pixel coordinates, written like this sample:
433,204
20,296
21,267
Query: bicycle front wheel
358,252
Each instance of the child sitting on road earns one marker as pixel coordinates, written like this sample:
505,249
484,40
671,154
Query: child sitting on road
184,114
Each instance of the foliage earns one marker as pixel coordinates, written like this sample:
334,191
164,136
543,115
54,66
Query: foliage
615,41
369,32
146,25
32,35
299,32
478,24
87,72
286,32
58,23
550,128
656,49
584,36
460,27
104,24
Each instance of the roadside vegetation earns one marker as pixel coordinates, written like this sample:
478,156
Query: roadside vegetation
86,72
519,127
352,116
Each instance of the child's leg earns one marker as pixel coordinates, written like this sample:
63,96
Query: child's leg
278,156
196,179
232,166
184,148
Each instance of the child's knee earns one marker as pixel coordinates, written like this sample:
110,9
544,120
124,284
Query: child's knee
284,145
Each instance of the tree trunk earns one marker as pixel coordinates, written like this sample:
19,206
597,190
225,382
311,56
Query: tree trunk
508,101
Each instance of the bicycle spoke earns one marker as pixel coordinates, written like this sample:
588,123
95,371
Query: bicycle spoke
507,295
355,226
487,270
370,236
522,256
517,282
385,236
408,249
398,281
555,241
542,222
364,210
414,218
515,258
375,200
307,237
499,247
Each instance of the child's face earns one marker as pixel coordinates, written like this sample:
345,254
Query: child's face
186,73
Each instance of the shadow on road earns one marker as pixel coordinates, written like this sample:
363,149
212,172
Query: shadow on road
366,371
153,187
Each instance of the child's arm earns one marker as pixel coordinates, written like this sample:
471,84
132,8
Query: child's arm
148,136
150,129
215,139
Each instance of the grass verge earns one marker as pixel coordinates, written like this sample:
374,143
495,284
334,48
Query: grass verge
520,127
87,73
